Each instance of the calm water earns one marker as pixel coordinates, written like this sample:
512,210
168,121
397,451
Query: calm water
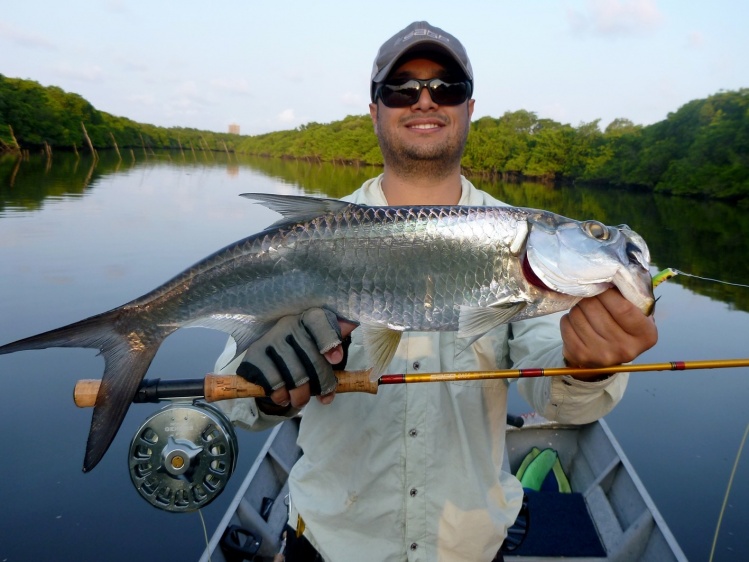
76,240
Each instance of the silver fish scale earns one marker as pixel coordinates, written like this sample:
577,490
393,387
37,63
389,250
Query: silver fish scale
408,268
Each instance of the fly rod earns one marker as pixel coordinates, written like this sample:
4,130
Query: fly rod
222,387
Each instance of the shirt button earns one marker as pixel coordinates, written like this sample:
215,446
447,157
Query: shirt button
413,492
413,432
416,365
414,546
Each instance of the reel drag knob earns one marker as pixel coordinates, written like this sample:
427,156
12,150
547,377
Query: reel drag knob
177,456
182,456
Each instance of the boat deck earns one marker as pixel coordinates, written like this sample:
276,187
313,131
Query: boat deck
626,519
620,513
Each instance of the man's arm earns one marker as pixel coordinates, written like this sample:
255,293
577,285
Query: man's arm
599,331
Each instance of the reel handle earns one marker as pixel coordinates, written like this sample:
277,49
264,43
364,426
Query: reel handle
212,388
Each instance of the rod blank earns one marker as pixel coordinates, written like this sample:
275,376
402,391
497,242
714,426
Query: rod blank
223,387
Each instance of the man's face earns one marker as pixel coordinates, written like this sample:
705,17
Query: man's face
425,133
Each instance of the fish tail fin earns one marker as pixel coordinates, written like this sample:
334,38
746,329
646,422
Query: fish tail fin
126,363
91,333
127,355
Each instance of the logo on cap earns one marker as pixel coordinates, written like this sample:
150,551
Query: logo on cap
422,32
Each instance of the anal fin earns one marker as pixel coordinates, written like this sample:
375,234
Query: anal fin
244,329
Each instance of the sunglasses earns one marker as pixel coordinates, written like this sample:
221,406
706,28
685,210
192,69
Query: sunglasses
405,93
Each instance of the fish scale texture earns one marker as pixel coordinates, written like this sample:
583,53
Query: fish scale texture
410,268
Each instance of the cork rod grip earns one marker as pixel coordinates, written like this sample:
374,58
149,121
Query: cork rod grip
84,394
355,381
225,387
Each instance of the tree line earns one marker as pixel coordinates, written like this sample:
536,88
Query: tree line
700,150
33,116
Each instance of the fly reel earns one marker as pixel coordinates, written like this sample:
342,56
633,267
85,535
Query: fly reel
182,456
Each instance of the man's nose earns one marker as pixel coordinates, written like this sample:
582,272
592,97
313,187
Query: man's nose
425,100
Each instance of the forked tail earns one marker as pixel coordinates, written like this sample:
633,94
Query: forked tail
127,355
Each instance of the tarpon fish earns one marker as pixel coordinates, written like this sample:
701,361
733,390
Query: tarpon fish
390,269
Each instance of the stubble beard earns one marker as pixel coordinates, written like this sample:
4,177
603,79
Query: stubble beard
431,161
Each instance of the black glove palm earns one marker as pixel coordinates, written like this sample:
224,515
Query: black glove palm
290,354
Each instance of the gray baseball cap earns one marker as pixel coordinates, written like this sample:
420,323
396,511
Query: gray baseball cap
426,38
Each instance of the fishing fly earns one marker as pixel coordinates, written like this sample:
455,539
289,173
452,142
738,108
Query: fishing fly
670,273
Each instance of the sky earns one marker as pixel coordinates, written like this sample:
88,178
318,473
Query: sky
276,65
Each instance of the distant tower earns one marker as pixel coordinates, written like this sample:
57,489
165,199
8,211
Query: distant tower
233,129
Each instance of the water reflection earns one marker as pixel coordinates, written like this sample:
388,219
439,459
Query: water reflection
704,238
77,239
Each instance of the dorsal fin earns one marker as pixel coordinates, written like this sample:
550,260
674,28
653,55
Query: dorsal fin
296,208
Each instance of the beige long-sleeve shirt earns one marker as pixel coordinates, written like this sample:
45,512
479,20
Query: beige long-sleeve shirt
415,472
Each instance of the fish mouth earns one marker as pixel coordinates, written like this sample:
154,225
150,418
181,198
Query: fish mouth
639,292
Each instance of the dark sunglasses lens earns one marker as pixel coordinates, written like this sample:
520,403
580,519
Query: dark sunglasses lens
400,95
442,93
448,94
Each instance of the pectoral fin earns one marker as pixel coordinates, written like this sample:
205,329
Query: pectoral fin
381,343
475,321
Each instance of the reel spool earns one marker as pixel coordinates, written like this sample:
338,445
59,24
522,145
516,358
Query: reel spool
182,456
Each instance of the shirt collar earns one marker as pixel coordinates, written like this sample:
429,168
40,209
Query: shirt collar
373,193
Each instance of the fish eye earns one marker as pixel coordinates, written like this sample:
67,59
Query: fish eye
596,230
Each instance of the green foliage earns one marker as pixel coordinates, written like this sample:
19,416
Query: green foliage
49,115
351,140
701,150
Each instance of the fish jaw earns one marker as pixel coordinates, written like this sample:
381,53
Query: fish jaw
584,259
636,285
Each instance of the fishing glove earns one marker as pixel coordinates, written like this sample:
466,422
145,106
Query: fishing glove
291,353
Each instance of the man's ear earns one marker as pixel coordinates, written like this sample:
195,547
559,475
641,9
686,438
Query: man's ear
373,115
471,103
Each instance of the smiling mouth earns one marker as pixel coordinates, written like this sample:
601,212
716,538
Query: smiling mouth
425,126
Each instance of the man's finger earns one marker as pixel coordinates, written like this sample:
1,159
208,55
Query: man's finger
335,355
281,397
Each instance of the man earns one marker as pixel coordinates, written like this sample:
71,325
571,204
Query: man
414,473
